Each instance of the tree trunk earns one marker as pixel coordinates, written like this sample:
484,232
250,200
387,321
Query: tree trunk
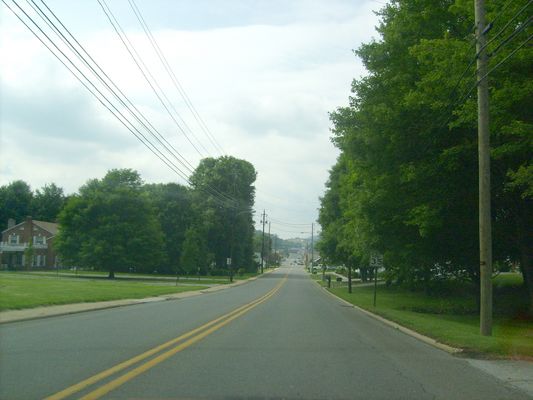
349,279
111,274
527,272
525,243
364,274
477,292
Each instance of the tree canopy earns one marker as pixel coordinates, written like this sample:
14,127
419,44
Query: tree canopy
111,225
118,223
18,201
405,184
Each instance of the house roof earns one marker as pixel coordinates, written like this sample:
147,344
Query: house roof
51,227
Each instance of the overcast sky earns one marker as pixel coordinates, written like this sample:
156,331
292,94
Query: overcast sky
262,74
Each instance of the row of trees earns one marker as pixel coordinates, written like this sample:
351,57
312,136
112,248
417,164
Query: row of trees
118,223
17,201
405,183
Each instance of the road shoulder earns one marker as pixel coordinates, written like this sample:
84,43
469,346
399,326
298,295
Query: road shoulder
516,373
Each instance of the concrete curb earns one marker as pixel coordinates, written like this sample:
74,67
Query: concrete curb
401,328
75,308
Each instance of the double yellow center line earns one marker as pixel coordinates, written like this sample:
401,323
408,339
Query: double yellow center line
180,343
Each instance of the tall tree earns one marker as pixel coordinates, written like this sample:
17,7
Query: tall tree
410,146
224,191
47,202
174,210
195,257
15,202
111,225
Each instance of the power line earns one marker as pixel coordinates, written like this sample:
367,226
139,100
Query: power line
174,79
504,27
496,66
502,43
138,61
519,29
500,13
473,60
97,93
290,231
111,108
289,223
221,197
124,99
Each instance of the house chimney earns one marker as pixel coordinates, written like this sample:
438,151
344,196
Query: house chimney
10,223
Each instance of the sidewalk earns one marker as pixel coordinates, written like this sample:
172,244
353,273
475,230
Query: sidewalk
513,372
65,309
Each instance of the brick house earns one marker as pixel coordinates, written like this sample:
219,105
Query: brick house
16,241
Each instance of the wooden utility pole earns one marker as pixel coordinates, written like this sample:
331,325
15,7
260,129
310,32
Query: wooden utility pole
312,244
485,234
269,245
263,243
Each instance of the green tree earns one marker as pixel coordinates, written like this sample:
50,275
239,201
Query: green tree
174,210
409,183
15,202
47,202
195,257
223,194
111,225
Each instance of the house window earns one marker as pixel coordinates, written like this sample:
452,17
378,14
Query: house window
39,240
13,239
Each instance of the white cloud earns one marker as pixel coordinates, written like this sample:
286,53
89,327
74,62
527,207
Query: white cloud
264,90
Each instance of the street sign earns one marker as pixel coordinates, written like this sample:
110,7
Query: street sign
376,260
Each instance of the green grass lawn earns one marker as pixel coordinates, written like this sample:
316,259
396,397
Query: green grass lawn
19,291
451,317
202,280
164,276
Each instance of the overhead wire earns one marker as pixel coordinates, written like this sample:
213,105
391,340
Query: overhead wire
489,42
289,223
137,59
500,45
213,191
174,79
123,37
497,66
96,92
517,30
108,82
110,107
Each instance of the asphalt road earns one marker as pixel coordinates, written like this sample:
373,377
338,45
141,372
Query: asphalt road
280,337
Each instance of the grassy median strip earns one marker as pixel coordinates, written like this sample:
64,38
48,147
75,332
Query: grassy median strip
451,318
18,291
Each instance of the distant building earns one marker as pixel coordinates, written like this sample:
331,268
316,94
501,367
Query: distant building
29,238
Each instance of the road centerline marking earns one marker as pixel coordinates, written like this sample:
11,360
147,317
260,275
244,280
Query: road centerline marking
217,323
